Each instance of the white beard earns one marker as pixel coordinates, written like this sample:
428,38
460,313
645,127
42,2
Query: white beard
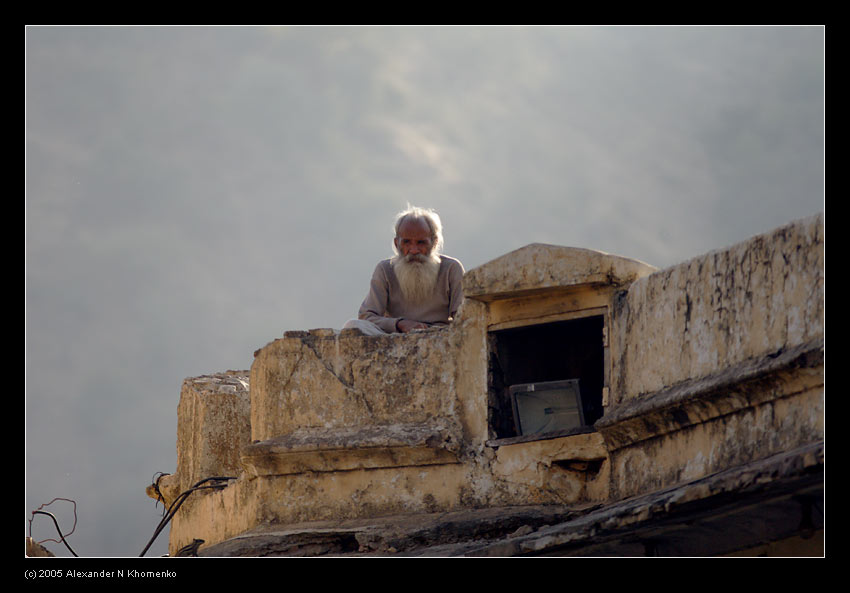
417,276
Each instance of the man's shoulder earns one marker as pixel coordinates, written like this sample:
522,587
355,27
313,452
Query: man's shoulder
451,262
384,267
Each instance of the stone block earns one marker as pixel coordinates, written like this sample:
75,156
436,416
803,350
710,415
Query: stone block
213,424
368,447
333,381
539,267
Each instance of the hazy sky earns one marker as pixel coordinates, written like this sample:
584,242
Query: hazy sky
192,193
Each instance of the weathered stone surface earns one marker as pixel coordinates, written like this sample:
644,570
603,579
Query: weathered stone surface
407,534
567,469
213,423
756,298
539,267
720,361
709,367
369,447
785,490
739,508
735,388
335,381
716,444
36,550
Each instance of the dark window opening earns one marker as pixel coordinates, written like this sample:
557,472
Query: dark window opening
559,351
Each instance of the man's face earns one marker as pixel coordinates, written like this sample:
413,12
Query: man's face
414,239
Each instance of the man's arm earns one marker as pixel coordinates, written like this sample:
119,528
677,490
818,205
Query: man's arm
375,304
455,289
407,325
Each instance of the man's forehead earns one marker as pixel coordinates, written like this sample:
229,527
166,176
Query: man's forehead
411,226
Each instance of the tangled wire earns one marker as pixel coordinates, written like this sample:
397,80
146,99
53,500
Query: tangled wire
62,536
213,483
217,483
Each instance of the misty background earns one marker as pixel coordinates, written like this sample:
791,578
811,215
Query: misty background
194,192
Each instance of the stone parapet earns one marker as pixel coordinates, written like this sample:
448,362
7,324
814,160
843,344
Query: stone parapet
331,380
720,362
754,299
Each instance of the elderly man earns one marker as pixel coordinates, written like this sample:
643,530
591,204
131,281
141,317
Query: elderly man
419,287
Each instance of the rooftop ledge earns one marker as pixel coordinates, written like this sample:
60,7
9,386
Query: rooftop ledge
343,449
540,268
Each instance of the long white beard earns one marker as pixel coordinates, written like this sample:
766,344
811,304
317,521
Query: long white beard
417,276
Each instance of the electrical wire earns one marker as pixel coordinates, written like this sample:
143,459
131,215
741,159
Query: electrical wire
62,536
168,514
159,496
172,510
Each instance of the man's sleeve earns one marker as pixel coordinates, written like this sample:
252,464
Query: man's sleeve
375,305
456,289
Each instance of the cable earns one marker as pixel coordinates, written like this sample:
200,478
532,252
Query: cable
57,529
172,510
160,497
168,515
62,536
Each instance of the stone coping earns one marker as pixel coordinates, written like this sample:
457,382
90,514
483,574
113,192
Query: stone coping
539,267
344,449
693,401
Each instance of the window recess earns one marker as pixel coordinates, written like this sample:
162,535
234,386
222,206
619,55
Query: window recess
535,374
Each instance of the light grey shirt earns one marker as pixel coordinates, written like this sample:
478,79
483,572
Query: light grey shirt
385,304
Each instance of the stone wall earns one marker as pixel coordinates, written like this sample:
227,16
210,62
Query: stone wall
698,318
213,424
330,380
709,365
720,361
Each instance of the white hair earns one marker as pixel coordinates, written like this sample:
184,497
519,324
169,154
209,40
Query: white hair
430,217
417,280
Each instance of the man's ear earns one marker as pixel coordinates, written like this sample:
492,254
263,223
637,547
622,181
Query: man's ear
395,242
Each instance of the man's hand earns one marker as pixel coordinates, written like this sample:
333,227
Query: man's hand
408,325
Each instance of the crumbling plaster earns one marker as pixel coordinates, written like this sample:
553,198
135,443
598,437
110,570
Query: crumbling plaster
719,361
213,420
327,380
697,318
